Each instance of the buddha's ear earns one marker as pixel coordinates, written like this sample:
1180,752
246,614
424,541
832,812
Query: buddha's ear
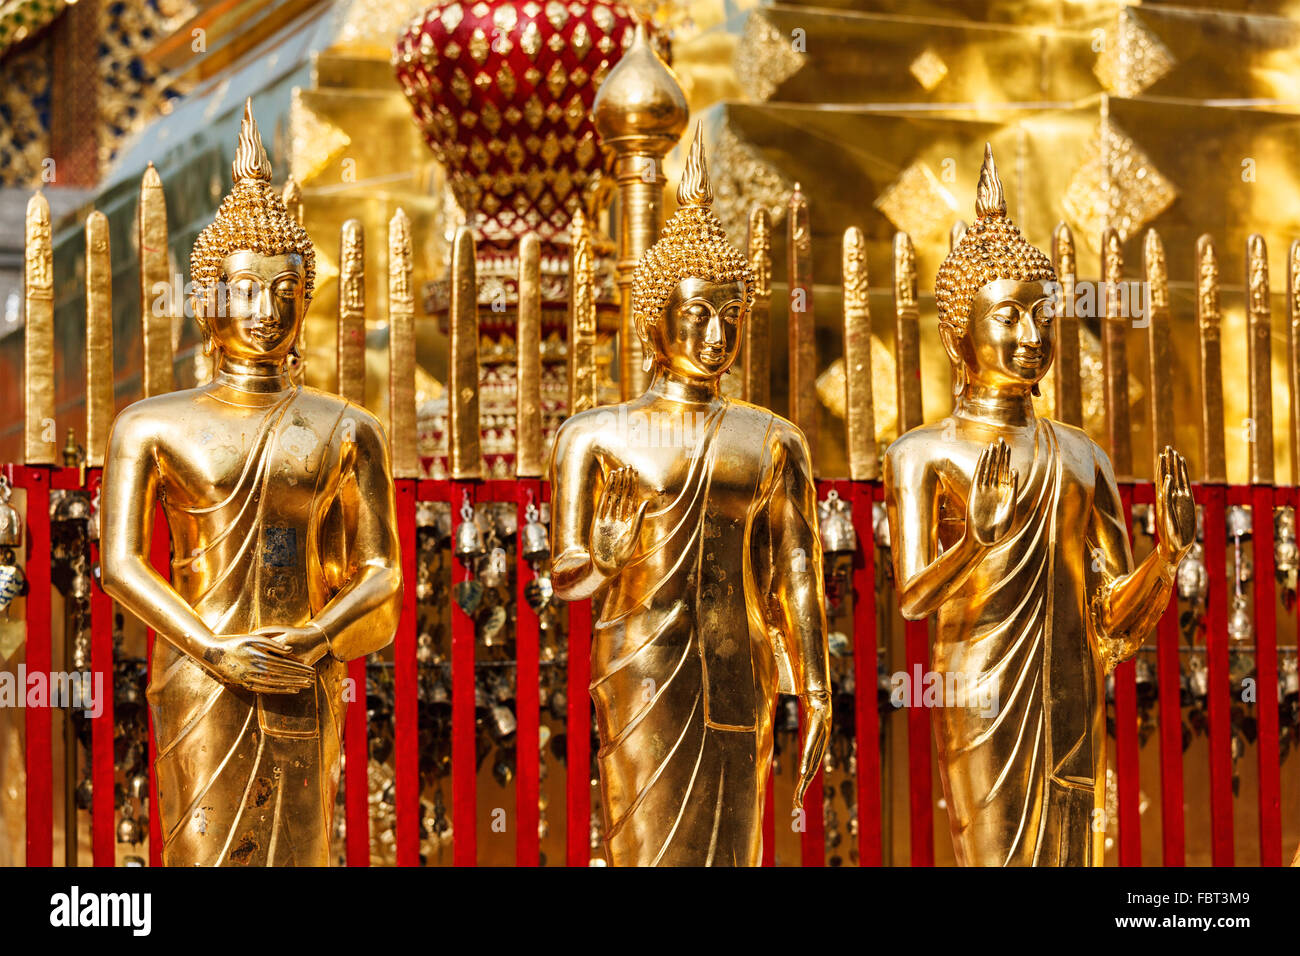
951,339
204,305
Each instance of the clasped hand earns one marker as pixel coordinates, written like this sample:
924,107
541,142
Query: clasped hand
271,660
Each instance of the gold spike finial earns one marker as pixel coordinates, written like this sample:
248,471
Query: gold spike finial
251,161
694,189
989,199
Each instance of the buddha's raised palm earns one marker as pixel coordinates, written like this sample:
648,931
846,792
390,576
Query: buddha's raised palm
990,503
1175,507
617,525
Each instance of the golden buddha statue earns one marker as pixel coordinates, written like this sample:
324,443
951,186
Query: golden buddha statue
1011,527
692,519
285,556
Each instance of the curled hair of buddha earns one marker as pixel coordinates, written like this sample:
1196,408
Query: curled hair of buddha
693,245
991,249
252,218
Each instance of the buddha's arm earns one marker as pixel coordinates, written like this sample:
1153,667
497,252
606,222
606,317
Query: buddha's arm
1125,603
362,616
797,591
127,499
796,566
575,489
911,505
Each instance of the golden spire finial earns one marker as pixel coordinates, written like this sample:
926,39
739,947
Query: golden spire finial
989,199
251,161
694,189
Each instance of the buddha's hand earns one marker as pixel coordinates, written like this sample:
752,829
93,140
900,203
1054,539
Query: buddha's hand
257,663
1175,507
307,644
990,505
617,525
816,727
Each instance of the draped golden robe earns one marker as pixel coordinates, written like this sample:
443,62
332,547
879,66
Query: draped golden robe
1024,783
689,649
246,778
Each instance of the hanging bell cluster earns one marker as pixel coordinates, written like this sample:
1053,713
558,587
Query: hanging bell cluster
836,520
12,581
1286,553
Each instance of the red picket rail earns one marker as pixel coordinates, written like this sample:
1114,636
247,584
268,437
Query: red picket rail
1214,500
871,836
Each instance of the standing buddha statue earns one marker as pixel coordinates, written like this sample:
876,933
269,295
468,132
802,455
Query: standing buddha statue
285,558
692,519
1011,528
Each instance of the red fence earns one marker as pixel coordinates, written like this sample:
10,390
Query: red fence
871,836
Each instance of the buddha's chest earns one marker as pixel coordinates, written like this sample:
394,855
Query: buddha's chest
720,477
1052,481
271,460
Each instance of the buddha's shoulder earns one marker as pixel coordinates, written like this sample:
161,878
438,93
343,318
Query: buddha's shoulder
591,422
325,402
740,411
918,444
1074,441
154,411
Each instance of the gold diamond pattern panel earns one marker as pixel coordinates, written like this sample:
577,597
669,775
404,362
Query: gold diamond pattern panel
1132,58
766,56
1117,186
918,204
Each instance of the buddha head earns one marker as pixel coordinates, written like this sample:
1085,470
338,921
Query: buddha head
692,290
996,299
253,267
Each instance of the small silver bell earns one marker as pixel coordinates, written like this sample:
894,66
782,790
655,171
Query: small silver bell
1198,679
11,522
92,526
1289,678
1145,676
1239,522
469,539
503,721
536,540
880,525
426,651
1193,581
496,570
838,534
1286,552
139,786
12,580
506,522
1241,627
73,507
128,828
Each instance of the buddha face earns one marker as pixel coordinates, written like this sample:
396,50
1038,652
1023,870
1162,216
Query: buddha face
1010,336
699,335
263,305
